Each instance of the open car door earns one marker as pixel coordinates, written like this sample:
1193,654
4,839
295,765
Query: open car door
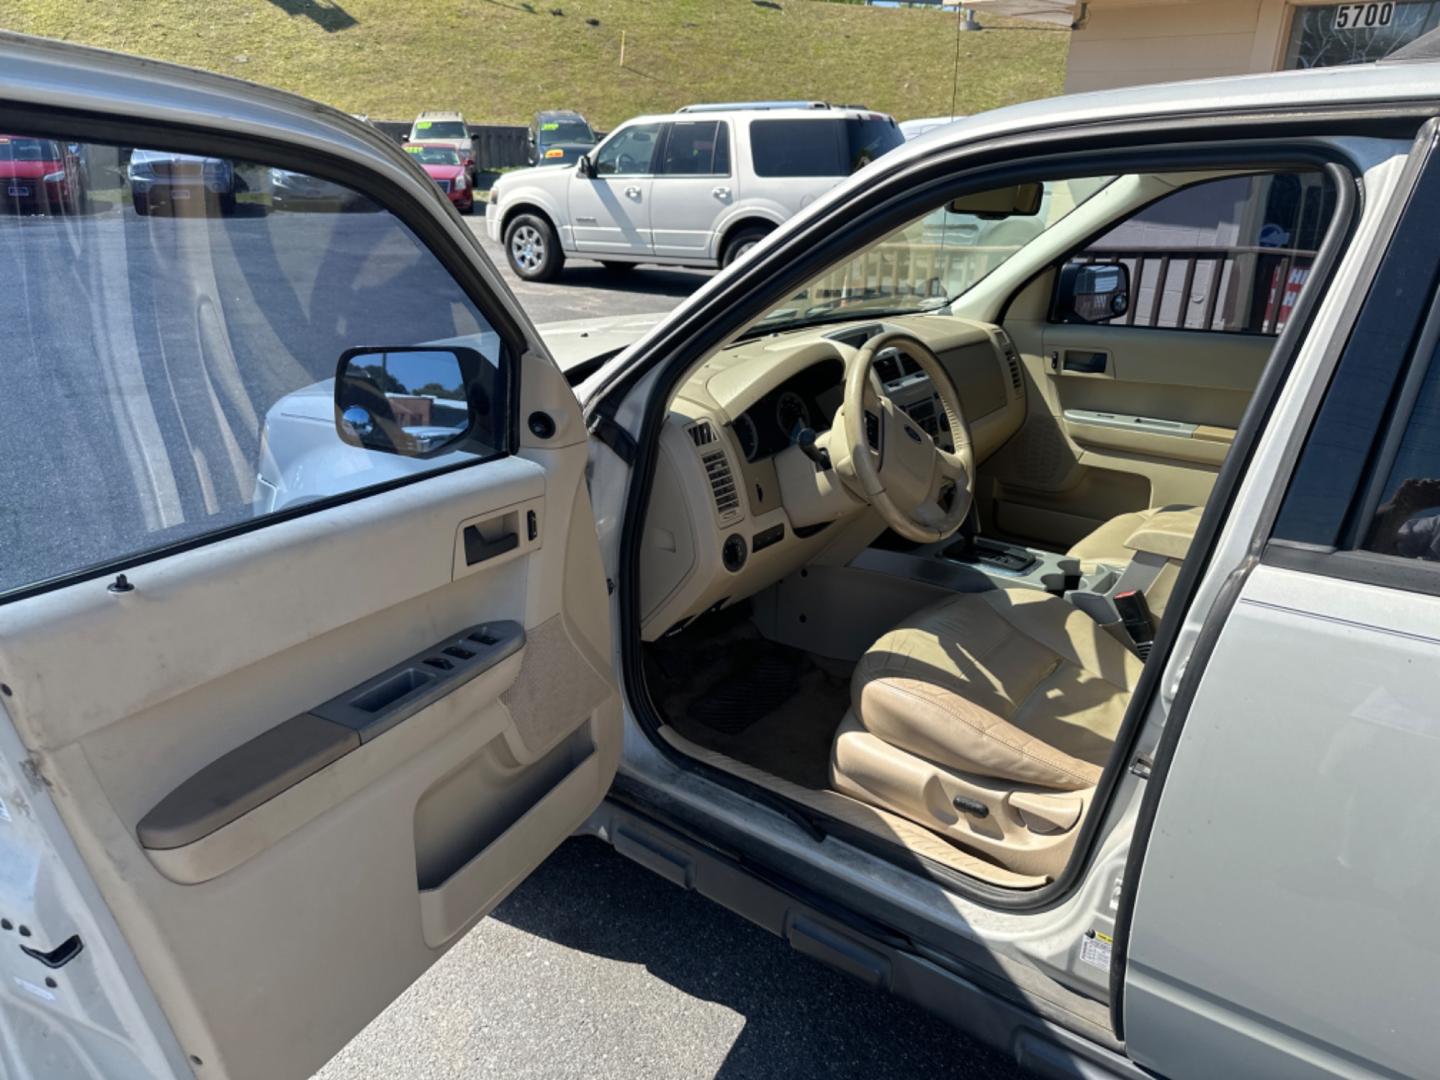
306,648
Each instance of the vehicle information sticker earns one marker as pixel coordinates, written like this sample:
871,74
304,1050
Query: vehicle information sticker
1095,949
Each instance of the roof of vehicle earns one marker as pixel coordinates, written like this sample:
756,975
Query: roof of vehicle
439,114
845,112
559,114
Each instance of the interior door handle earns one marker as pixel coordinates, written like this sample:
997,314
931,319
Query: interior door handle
720,191
478,549
633,192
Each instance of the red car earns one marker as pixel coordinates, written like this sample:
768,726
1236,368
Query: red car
445,167
40,175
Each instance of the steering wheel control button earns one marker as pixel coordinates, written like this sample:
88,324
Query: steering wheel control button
766,537
734,553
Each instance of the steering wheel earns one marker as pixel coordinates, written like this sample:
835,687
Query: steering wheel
625,163
922,491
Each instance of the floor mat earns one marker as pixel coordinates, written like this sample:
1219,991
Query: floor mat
768,705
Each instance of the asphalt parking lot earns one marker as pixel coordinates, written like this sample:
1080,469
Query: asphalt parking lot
597,968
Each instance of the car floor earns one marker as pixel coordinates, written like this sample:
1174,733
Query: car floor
725,687
767,713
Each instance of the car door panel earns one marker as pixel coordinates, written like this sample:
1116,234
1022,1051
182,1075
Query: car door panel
611,214
414,834
1148,426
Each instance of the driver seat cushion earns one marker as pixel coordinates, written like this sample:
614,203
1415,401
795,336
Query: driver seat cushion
1014,684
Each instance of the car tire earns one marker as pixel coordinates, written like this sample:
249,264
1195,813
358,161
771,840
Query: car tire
141,204
533,249
741,242
618,267
226,203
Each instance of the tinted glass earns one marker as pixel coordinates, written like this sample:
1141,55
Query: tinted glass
697,149
1407,521
1228,255
866,140
553,131
628,152
441,129
171,337
434,155
15,148
798,148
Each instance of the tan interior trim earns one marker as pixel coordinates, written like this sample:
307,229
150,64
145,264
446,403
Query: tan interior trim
878,823
1211,433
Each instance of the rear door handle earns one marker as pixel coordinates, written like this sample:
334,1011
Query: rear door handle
720,192
478,549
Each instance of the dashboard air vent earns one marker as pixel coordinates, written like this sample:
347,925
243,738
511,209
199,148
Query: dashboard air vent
722,484
1015,378
702,434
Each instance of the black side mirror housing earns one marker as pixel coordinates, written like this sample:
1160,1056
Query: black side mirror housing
586,167
417,400
1091,292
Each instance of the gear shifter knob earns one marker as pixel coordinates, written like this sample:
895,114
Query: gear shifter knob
805,439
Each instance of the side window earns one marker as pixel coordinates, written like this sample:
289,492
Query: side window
798,148
697,148
629,152
171,355
1407,520
1228,255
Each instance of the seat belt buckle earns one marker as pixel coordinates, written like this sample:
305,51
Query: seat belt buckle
1136,618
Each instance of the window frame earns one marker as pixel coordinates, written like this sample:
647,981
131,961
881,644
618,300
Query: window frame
1070,256
428,226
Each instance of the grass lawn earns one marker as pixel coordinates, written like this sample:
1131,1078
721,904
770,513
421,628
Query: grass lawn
499,60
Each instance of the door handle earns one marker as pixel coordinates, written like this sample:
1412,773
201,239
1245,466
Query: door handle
720,191
478,549
633,192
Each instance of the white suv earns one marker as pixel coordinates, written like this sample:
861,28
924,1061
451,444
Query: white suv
695,188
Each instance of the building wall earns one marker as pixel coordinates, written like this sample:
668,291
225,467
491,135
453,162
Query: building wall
1127,42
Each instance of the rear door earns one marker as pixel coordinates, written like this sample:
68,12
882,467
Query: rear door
307,709
694,186
1140,410
1283,890
610,212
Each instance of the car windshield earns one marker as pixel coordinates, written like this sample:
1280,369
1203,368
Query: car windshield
435,155
928,263
441,129
559,131
14,149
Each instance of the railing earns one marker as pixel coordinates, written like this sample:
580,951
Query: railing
908,270
1238,289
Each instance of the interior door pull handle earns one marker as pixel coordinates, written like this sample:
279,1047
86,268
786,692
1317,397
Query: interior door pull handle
478,549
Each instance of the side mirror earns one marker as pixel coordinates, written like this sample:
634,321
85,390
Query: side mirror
586,167
415,401
1092,292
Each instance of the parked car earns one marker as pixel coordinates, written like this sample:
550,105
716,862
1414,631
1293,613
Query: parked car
450,129
559,137
292,190
1098,784
444,165
40,175
162,182
700,187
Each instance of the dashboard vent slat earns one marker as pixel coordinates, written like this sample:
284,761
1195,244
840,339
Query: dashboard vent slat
722,483
702,434
1016,380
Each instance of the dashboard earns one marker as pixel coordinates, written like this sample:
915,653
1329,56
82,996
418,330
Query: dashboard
733,506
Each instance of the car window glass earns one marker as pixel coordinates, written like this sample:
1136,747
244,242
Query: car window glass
798,148
173,325
441,129
1407,520
694,149
629,152
1229,255
559,131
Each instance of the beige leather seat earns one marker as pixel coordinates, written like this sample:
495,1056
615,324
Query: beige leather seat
988,718
1171,526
